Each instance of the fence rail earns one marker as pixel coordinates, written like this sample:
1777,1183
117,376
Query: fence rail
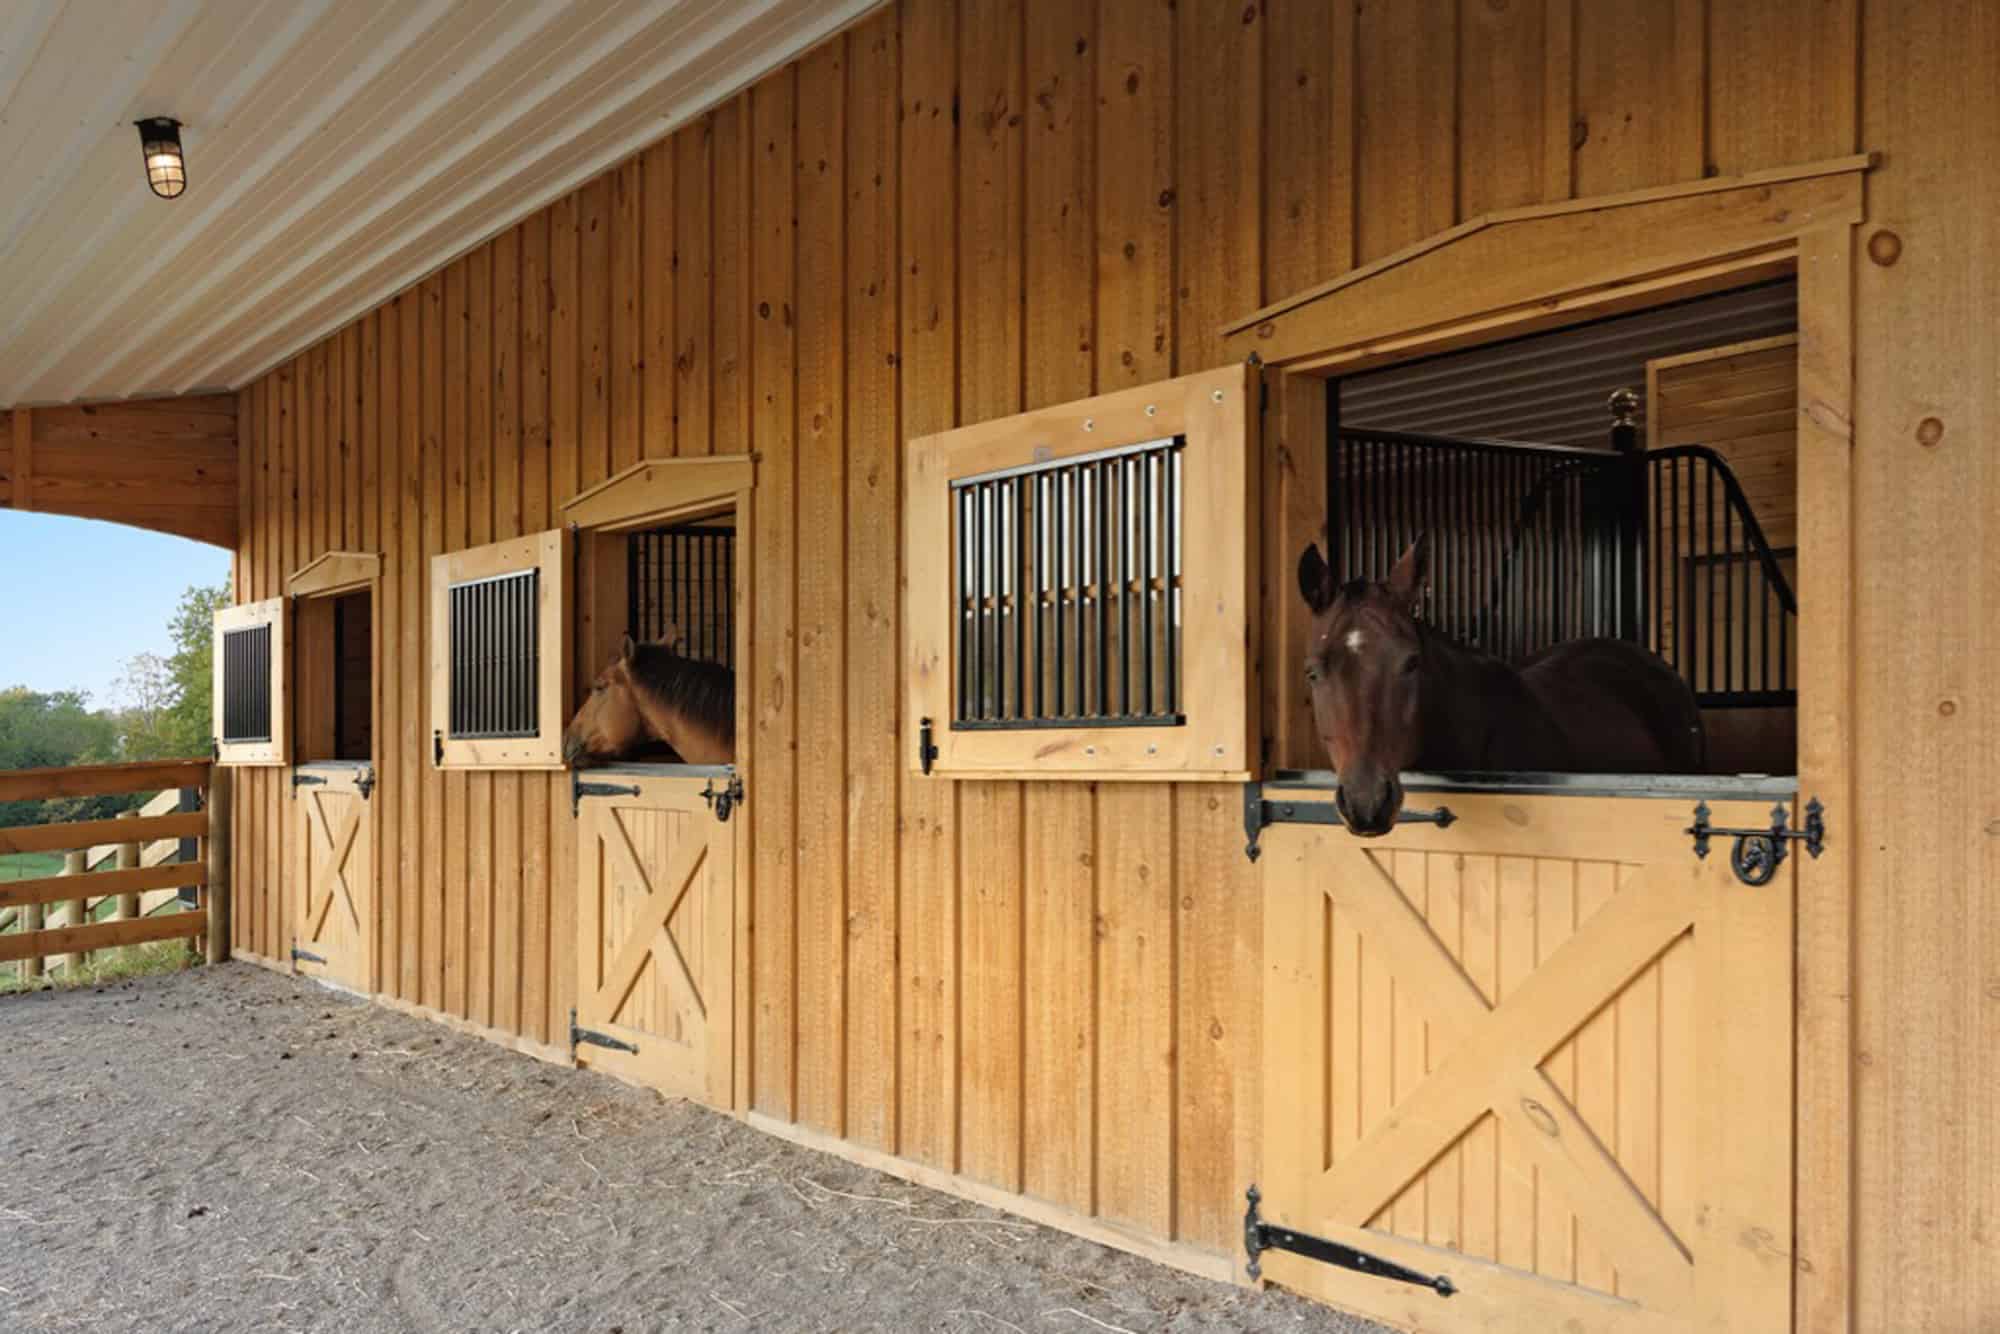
207,925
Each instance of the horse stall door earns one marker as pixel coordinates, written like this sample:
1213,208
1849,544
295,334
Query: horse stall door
1544,1054
655,886
335,832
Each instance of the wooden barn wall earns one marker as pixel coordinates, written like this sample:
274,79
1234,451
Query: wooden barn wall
955,211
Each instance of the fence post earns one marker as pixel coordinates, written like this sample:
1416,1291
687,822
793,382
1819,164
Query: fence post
76,862
128,860
217,891
33,918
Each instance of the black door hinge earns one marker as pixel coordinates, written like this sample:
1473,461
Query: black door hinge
579,789
307,955
724,800
927,751
1258,811
1758,853
585,1035
1259,1236
300,780
437,749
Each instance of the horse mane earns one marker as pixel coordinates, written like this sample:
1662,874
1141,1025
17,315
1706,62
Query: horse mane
703,692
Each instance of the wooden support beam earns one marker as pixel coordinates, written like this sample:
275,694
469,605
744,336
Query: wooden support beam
24,458
216,896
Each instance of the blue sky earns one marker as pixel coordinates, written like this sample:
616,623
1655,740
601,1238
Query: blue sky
82,596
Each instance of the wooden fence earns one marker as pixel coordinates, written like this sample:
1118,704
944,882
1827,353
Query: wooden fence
39,939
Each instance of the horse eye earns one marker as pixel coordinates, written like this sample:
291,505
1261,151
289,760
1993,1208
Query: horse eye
1312,671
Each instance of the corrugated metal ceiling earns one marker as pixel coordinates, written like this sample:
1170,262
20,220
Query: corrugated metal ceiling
1552,388
337,151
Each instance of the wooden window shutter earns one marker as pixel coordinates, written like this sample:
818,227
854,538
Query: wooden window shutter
251,664
1082,588
500,658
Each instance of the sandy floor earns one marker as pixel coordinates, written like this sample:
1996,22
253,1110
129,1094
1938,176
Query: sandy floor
231,1150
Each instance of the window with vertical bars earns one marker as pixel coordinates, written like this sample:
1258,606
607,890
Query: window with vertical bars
1067,580
246,684
496,657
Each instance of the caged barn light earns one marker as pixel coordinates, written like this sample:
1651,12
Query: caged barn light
166,164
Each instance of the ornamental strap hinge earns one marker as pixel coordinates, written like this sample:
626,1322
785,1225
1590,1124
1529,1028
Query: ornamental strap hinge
1260,1236
724,799
307,955
1258,812
579,789
578,1036
1758,853
300,780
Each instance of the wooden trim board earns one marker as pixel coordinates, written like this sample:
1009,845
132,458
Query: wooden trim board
660,491
547,552
336,572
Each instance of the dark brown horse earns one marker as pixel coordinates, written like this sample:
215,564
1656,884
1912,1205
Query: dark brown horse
652,703
1390,693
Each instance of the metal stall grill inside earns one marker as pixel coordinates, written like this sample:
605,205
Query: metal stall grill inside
1532,545
496,656
682,581
246,684
1067,587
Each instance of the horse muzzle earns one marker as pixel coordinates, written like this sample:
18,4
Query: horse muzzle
1370,810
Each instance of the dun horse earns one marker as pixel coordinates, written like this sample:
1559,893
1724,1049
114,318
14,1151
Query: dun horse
648,698
1390,693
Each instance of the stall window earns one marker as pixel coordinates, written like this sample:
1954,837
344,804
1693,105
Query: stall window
249,683
1081,587
499,659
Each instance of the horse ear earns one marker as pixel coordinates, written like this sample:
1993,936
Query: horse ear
1315,579
626,651
1412,573
670,637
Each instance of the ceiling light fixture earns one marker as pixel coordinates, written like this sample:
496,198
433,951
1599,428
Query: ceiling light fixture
166,164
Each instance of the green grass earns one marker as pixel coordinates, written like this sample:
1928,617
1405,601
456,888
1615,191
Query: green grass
154,957
30,865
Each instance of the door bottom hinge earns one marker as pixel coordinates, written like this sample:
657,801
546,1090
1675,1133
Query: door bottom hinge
1260,1236
307,955
579,1036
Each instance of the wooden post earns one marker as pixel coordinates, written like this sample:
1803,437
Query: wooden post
128,860
31,919
216,895
76,862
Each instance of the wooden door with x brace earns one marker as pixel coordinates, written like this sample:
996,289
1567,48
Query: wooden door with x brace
655,917
1544,1054
334,936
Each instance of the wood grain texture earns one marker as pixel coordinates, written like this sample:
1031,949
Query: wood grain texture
820,614
1022,204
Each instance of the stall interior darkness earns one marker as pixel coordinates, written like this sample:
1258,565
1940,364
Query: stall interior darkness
1541,530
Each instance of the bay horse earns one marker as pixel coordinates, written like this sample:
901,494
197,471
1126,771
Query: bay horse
1390,693
648,698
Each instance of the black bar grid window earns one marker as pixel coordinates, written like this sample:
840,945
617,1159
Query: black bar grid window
683,579
246,684
1067,585
496,657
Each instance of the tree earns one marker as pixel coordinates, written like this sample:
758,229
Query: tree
188,726
150,691
45,730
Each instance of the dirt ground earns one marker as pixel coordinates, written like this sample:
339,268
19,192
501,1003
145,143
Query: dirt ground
228,1149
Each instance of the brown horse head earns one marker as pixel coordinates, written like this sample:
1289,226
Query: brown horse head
1364,669
609,726
649,697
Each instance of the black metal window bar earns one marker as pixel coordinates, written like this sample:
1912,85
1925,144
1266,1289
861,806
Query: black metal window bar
1067,581
1532,545
496,656
1722,606
684,578
246,684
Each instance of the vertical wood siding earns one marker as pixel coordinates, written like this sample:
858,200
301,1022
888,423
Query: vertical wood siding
956,211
